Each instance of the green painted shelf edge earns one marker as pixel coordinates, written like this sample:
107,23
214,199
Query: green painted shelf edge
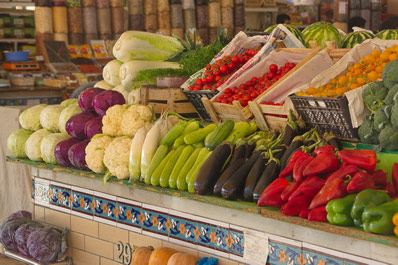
248,207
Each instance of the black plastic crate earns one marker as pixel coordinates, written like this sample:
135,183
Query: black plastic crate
195,97
326,114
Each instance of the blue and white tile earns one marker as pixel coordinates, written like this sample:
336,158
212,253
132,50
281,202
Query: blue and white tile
156,221
82,202
41,192
182,228
128,213
60,197
105,208
219,235
236,250
284,251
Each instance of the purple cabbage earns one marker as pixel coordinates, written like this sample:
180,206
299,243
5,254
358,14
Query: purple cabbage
19,214
7,233
93,127
77,155
75,125
61,151
86,98
44,244
107,99
22,235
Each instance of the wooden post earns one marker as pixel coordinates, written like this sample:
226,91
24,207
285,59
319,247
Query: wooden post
210,109
258,115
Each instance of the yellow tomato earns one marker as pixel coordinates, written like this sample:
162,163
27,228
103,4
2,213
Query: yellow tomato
376,53
384,56
361,81
354,85
379,69
372,76
370,59
392,57
342,80
311,90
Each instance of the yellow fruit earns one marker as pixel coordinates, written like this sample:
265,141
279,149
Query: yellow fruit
370,59
384,56
392,57
311,90
372,76
376,53
361,81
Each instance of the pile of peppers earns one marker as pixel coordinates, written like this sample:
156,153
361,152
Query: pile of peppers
334,185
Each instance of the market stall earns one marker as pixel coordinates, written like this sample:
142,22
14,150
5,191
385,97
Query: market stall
313,179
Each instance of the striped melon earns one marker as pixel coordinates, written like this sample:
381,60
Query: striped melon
355,38
388,34
296,32
321,32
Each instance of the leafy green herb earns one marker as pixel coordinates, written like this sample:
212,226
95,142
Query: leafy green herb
149,76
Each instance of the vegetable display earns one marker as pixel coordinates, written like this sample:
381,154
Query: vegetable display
49,117
104,100
48,144
86,98
32,145
16,142
61,151
30,118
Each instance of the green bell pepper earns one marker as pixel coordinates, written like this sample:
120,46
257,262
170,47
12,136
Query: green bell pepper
378,219
366,199
339,211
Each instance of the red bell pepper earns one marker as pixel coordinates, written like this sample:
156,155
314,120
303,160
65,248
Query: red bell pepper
288,170
365,159
324,148
334,189
361,181
389,188
309,187
394,178
379,177
323,163
304,213
318,214
344,170
271,196
295,206
299,167
289,190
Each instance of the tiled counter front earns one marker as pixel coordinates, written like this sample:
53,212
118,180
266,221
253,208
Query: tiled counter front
98,217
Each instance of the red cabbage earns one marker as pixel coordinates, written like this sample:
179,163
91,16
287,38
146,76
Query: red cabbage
107,99
77,155
45,244
61,151
19,214
93,127
86,98
7,233
22,235
75,125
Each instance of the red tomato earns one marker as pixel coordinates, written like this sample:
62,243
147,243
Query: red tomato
198,82
235,59
244,103
231,66
292,65
271,75
228,91
273,68
217,78
210,79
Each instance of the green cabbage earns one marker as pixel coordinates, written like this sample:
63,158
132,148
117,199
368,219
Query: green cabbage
66,114
49,117
16,142
30,118
32,146
48,144
68,102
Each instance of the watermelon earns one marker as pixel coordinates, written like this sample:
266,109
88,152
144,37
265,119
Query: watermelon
321,32
355,38
388,34
296,32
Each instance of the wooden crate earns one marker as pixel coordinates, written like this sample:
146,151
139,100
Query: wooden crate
264,116
167,99
221,112
331,47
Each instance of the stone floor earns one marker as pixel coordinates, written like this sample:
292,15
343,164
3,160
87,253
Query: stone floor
7,261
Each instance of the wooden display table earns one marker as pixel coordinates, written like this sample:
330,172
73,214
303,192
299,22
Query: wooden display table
104,218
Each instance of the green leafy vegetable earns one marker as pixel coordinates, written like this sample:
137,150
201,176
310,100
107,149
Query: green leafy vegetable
149,76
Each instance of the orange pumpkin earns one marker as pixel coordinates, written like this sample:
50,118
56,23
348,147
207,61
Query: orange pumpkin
182,259
141,256
160,256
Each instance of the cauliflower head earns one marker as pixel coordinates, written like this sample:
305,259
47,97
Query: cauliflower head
95,152
117,155
112,120
134,118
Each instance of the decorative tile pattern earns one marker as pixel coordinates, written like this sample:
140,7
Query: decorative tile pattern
82,203
217,238
129,213
60,196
